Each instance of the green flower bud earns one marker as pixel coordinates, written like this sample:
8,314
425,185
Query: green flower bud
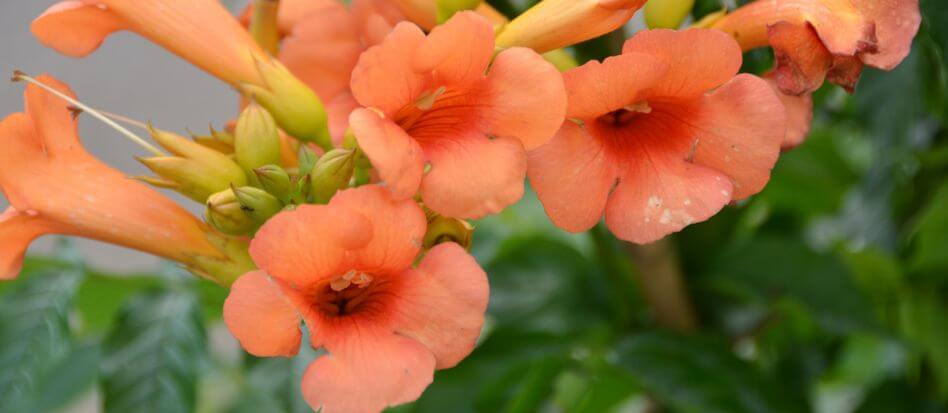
276,181
226,215
296,108
256,139
220,141
333,172
257,203
667,14
443,229
307,160
196,171
447,8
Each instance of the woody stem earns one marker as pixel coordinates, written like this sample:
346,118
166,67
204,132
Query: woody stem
663,285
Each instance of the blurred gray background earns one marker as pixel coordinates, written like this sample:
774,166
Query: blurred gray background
127,75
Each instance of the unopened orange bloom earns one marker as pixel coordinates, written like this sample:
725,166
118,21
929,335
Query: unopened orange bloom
346,270
552,24
435,122
660,137
324,44
817,40
202,32
56,187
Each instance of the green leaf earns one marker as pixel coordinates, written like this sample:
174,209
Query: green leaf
693,374
34,335
75,374
923,316
154,354
930,239
768,269
604,390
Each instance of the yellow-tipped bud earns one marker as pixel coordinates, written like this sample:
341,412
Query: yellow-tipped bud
707,21
257,203
333,172
196,171
296,108
276,181
226,215
443,229
256,139
562,59
667,14
447,8
552,24
220,141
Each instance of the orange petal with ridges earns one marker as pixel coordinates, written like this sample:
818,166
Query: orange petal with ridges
398,227
17,231
697,59
527,98
439,52
802,60
442,303
595,89
75,28
573,176
740,128
384,78
397,157
473,176
261,318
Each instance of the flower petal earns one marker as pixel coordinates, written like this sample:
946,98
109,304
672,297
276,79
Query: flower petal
573,176
322,49
368,370
896,24
458,50
396,156
740,128
261,318
307,246
17,231
527,97
472,176
802,60
384,78
397,228
799,115
698,59
595,89
75,28
442,303
659,194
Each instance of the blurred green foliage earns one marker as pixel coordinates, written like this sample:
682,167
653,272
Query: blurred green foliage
826,293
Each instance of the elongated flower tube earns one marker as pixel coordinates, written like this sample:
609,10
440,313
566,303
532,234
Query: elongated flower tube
660,137
346,270
817,40
202,32
438,120
55,187
552,24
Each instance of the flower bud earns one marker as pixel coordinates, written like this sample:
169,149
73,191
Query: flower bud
667,14
276,181
256,139
333,172
552,24
443,229
226,215
447,8
257,203
294,106
220,141
195,170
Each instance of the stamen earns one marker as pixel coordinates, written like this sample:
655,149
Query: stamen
639,107
126,120
427,101
21,76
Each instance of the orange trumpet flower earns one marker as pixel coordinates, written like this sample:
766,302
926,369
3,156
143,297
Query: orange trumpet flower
817,40
56,187
435,122
660,137
346,270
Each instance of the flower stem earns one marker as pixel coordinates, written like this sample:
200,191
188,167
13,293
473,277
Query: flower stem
663,285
